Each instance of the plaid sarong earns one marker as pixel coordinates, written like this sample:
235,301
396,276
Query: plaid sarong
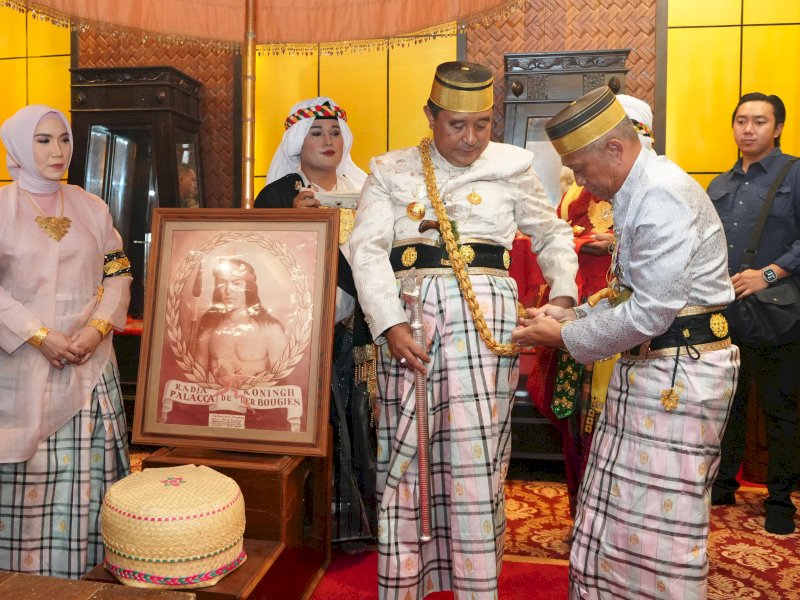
641,528
50,504
470,398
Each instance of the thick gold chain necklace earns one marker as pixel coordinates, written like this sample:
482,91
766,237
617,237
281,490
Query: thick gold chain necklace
54,227
456,261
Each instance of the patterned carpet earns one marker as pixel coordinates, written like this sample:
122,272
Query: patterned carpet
745,561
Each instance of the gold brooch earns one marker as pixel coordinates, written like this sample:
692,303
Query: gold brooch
474,198
467,253
415,211
409,256
719,325
506,259
669,399
601,216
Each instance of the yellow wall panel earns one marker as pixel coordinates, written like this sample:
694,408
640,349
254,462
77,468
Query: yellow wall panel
281,82
12,98
46,39
411,70
357,81
12,32
702,89
686,13
771,11
49,82
763,50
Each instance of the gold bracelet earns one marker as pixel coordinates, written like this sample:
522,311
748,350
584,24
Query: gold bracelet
104,327
37,338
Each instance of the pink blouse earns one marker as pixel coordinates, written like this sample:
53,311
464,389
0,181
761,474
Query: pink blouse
57,285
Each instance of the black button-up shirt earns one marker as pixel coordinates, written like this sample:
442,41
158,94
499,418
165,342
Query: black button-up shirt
738,197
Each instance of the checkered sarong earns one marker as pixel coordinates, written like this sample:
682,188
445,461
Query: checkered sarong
470,397
641,528
50,504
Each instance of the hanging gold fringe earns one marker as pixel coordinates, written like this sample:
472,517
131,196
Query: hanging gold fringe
129,35
452,29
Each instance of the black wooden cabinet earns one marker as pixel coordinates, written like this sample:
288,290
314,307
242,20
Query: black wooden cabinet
136,146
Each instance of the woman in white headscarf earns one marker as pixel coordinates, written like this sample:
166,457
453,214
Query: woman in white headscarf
64,285
313,157
641,115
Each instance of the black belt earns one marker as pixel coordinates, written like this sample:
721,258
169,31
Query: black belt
695,333
427,256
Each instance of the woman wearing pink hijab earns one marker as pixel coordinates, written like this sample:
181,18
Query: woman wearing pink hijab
64,284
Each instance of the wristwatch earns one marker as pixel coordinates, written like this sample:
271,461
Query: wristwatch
769,276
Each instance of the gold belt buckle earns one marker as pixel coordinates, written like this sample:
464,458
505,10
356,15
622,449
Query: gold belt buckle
644,349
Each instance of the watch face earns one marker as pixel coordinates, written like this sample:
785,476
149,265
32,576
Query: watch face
770,276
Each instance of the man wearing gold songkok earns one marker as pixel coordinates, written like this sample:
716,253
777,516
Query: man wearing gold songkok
641,527
449,209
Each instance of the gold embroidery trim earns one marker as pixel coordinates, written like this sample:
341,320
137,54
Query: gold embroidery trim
446,231
449,271
709,347
699,310
506,259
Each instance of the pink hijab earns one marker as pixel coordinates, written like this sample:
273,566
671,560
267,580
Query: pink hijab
17,133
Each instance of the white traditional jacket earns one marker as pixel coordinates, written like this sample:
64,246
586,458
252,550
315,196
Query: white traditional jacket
489,200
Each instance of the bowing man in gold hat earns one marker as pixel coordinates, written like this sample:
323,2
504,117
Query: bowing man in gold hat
641,525
449,208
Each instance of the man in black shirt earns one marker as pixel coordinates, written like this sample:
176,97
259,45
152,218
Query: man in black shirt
738,196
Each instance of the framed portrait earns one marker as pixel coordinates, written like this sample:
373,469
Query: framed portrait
238,330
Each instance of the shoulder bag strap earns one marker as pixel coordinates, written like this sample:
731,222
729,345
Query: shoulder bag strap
755,236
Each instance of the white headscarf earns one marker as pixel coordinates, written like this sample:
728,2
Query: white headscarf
639,112
17,133
287,157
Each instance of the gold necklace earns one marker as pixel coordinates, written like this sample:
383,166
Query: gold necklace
54,227
456,260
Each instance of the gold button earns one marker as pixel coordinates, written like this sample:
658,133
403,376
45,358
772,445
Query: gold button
415,211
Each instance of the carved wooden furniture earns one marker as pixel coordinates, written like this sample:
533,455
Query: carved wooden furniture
135,146
539,84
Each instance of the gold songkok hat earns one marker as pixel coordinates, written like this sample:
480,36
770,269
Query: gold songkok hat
462,87
584,121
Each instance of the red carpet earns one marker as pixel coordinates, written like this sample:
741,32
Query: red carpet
355,577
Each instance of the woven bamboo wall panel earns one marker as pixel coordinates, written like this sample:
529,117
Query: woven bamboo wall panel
553,25
214,69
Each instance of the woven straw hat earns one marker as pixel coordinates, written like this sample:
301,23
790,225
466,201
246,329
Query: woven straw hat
174,528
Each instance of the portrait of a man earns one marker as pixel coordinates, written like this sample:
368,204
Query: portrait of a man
237,337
